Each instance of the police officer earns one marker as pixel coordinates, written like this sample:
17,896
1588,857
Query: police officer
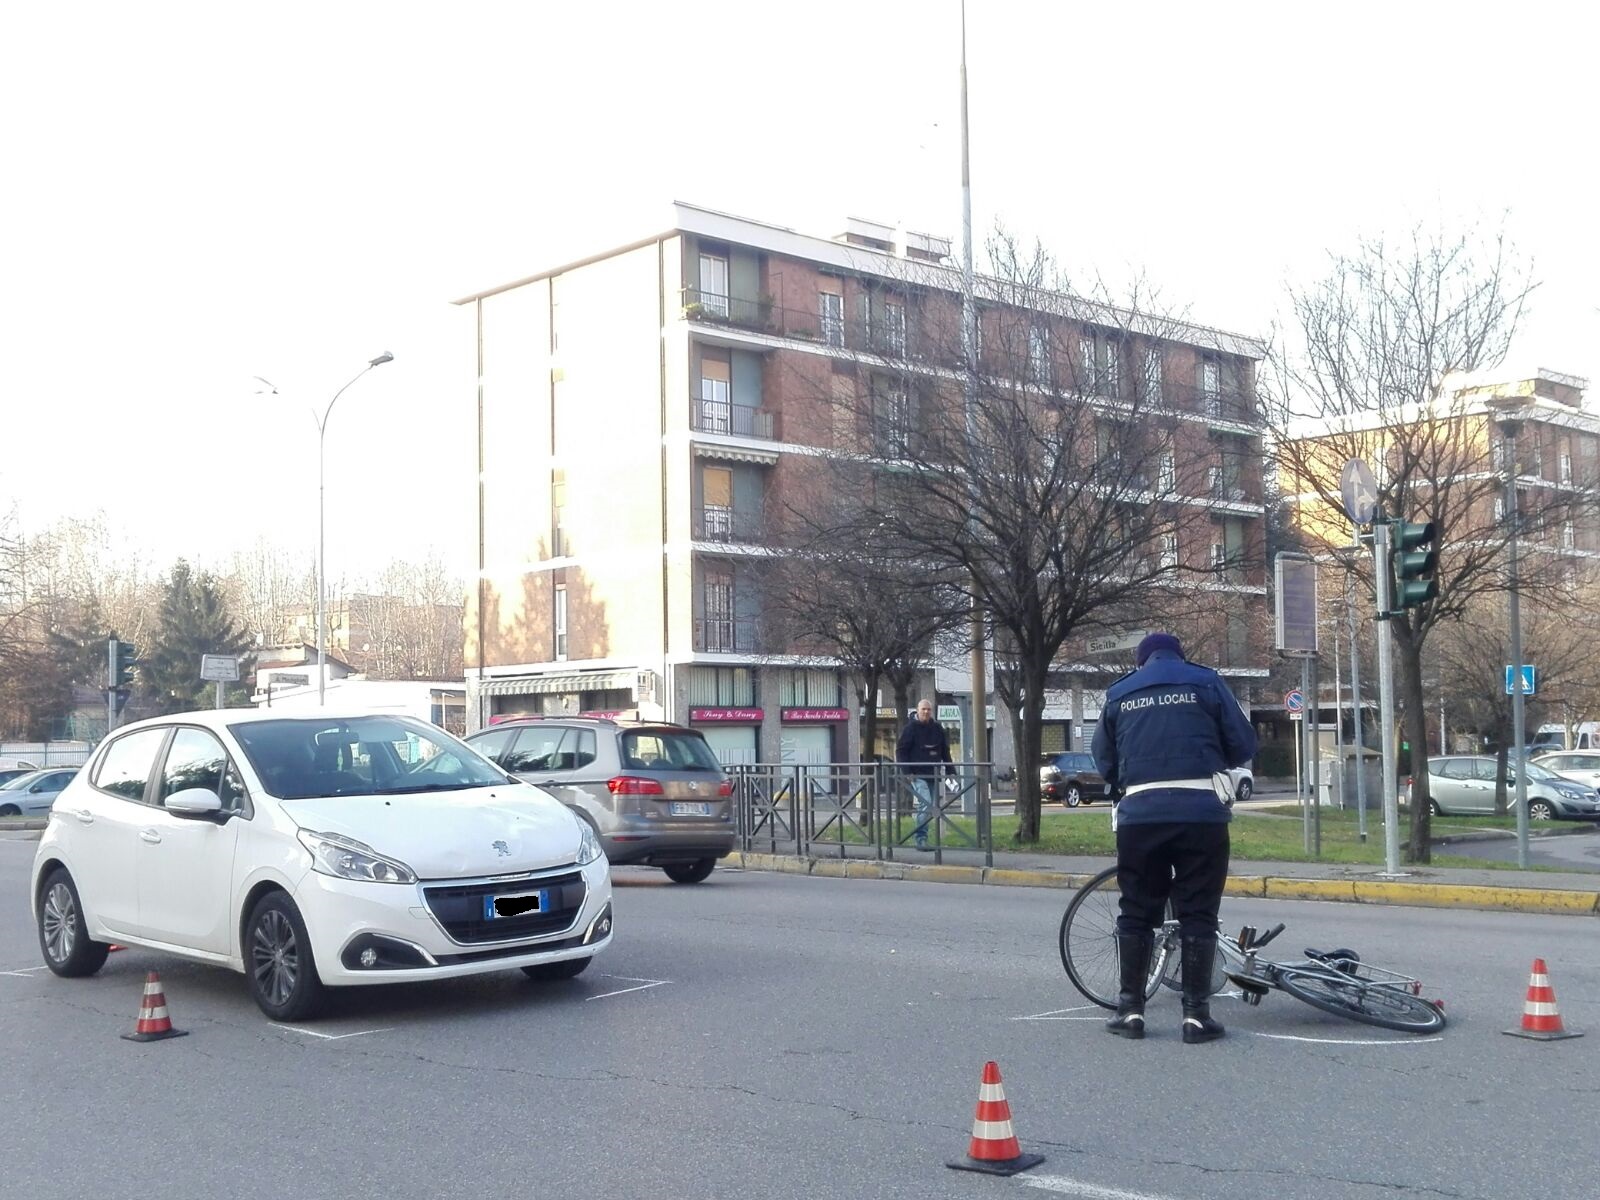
1166,730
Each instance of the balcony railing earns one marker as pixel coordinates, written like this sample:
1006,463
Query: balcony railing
720,523
890,337
725,635
738,420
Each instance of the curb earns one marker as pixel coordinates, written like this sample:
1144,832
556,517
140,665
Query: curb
1260,887
20,823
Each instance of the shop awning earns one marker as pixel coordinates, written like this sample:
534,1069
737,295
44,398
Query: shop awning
550,685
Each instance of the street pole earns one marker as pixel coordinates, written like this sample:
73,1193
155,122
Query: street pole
1391,803
1514,519
1315,761
969,345
322,558
1304,773
1338,717
111,684
1355,701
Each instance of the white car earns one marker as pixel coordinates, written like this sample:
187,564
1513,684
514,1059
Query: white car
315,851
1244,782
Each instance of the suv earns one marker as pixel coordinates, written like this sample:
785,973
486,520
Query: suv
1071,779
653,791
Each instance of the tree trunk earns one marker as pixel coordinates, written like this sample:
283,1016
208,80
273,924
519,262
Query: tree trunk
869,715
1027,737
1416,730
1500,759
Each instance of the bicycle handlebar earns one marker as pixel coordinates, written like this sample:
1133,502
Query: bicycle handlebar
1268,936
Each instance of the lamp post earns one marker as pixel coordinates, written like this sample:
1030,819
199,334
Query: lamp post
1510,428
322,558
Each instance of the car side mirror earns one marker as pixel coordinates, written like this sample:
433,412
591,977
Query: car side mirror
194,802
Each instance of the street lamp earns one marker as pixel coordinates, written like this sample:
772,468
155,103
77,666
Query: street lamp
322,561
1510,428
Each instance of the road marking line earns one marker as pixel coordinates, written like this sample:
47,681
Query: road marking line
1052,1015
328,1037
644,986
25,972
1076,1187
1289,1037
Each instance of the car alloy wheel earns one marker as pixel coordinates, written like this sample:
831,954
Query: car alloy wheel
1541,810
60,922
63,933
1246,789
282,972
275,956
1073,796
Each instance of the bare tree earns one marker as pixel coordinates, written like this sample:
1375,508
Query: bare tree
1376,372
1040,475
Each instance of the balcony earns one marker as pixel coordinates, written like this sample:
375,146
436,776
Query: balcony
721,523
883,335
736,420
724,635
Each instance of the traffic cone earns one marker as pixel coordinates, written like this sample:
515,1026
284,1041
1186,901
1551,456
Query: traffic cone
994,1149
1540,1020
154,1024
113,948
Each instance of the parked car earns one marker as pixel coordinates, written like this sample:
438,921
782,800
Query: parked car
1071,778
1244,783
315,851
33,792
654,792
1585,736
1580,766
7,774
1465,784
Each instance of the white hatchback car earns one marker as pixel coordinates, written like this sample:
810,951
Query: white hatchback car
313,851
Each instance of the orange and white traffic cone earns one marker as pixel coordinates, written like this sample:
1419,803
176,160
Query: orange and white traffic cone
154,1023
1540,1020
994,1149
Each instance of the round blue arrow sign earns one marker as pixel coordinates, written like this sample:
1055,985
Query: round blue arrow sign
1359,491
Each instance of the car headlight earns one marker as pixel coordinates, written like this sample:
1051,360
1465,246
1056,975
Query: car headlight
588,843
346,858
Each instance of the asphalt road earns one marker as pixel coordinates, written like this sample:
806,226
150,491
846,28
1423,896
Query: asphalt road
1576,849
774,1036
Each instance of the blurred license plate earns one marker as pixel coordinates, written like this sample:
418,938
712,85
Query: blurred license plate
688,808
516,905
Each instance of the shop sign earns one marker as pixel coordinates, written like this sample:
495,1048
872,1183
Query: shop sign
711,716
815,714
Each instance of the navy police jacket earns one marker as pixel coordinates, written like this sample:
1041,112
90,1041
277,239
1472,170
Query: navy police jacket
1171,723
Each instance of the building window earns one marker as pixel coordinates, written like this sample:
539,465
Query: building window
560,540
1086,364
1113,370
1039,357
1167,480
1169,549
1152,374
1535,458
1566,466
714,284
801,688
1499,508
1211,387
716,504
716,401
561,622
720,687
1219,558
832,318
719,611
1569,536
894,327
1497,453
891,416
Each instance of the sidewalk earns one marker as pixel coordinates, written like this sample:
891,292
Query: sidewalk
1486,889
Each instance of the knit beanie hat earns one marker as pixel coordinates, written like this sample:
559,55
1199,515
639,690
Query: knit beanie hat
1157,641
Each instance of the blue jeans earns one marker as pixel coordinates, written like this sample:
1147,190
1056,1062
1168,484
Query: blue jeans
922,791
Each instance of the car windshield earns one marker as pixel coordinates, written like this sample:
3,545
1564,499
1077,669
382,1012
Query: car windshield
21,781
298,758
1535,771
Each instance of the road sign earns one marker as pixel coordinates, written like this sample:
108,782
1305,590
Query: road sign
1295,701
1529,679
1108,642
223,668
1297,716
1359,491
1296,594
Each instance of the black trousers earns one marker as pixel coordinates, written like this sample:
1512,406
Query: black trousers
1184,860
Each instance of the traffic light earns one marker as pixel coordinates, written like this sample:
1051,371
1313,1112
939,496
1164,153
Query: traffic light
1415,564
125,656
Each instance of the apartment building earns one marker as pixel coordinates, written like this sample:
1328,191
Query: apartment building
643,413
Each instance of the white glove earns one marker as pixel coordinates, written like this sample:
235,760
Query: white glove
952,784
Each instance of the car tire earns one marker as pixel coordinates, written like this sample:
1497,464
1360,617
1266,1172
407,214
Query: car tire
1072,796
1541,810
697,871
1434,809
278,962
569,968
10,810
1244,791
63,933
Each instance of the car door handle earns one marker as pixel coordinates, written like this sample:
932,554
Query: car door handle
149,835
85,817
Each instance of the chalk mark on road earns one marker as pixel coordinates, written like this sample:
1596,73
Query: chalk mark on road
329,1037
25,972
1289,1037
1056,1014
644,986
1077,1187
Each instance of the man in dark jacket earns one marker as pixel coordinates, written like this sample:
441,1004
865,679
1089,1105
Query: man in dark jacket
923,746
1167,735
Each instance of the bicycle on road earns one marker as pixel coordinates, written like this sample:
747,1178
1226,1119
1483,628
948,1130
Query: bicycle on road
1335,981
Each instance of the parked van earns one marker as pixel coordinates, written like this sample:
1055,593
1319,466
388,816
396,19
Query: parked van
1585,736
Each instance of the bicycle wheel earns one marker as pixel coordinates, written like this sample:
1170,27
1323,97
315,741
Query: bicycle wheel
1088,943
1371,1004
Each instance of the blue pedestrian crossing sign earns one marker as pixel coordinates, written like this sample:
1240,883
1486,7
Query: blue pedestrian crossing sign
1529,679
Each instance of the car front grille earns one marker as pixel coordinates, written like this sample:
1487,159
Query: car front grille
459,908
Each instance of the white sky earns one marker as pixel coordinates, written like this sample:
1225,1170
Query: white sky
199,193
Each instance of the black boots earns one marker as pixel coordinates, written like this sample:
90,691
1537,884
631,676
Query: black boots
1199,958
1133,956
